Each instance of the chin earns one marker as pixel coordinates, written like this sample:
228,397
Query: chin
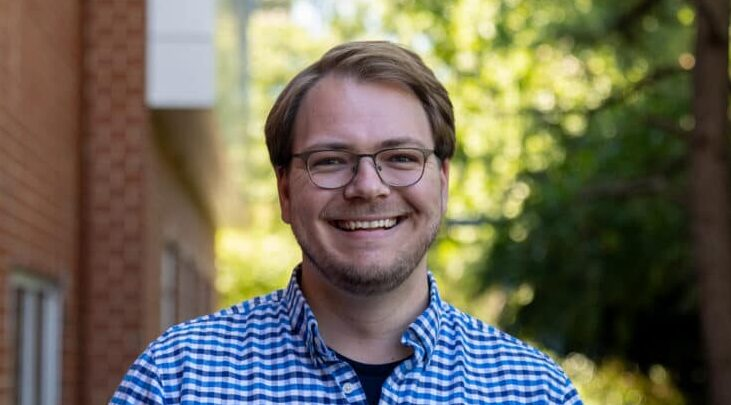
365,277
361,270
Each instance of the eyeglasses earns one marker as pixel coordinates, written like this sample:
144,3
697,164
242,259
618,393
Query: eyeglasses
396,167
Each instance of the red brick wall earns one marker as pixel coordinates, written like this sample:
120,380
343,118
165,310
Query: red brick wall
117,140
134,201
86,197
40,76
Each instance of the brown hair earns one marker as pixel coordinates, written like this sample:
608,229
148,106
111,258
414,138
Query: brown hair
366,61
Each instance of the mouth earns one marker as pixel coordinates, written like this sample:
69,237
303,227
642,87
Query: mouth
366,225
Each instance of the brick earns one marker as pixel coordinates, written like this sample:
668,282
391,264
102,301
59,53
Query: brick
73,90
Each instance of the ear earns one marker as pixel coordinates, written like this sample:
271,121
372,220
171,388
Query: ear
444,180
283,191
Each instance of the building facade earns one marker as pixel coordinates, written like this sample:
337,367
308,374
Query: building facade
108,175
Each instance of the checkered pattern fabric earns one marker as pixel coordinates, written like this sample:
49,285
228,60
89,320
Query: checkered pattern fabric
269,350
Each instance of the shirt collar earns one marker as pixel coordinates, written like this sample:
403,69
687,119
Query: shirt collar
303,321
422,335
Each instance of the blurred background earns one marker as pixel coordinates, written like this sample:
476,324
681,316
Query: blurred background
588,208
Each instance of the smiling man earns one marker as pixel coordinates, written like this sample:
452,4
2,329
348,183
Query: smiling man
360,142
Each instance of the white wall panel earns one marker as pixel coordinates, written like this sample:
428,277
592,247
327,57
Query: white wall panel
180,53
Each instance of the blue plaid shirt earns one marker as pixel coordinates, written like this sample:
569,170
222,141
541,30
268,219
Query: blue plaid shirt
269,350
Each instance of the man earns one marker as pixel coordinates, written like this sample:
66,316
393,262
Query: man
360,142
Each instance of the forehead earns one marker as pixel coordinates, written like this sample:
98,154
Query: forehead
360,115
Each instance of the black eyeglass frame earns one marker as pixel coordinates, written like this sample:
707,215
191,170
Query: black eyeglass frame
305,156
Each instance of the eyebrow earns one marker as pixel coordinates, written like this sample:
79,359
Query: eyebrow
403,141
389,143
327,146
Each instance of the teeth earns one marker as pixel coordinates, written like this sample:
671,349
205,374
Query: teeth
380,223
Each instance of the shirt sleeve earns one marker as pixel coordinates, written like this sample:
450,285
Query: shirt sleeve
571,396
141,384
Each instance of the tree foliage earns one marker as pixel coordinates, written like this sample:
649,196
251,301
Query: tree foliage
568,217
577,113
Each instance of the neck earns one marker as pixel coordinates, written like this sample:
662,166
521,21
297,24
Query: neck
367,329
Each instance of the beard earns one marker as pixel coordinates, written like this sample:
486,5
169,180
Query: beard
371,279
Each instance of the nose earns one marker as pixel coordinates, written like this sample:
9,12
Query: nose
366,183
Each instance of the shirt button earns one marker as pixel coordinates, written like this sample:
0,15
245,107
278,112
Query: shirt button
348,388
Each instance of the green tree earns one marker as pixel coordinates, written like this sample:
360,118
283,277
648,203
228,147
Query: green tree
569,219
575,120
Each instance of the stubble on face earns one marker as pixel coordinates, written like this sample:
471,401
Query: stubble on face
372,279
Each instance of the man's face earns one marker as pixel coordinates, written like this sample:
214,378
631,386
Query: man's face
393,226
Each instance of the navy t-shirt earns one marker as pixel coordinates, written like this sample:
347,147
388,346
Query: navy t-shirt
372,376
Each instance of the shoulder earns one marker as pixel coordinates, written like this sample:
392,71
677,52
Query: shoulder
487,340
499,358
200,345
252,318
255,312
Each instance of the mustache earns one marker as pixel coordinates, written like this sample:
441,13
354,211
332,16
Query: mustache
360,210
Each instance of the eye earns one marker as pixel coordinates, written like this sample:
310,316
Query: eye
328,160
402,158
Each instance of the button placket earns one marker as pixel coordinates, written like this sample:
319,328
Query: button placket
346,379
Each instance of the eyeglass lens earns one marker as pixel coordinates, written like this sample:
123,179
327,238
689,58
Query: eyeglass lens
396,167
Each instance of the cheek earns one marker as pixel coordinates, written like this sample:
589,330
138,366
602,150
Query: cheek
306,206
436,197
444,197
428,200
